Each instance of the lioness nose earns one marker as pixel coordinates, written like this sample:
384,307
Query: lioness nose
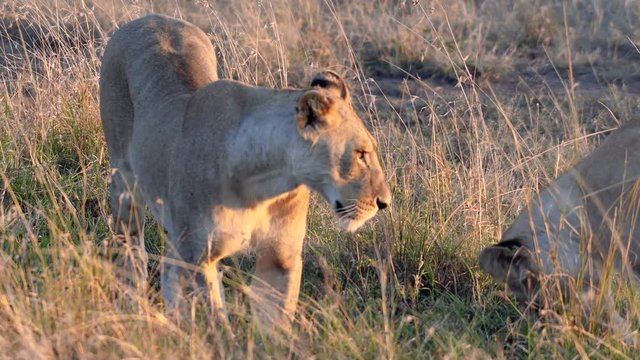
381,204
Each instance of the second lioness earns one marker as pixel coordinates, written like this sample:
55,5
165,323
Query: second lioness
582,224
225,166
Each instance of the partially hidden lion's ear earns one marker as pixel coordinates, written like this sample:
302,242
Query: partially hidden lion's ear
508,261
333,82
313,113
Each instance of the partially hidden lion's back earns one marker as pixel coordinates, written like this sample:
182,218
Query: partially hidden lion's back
610,179
146,63
605,188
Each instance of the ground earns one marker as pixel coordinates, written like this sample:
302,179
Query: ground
476,105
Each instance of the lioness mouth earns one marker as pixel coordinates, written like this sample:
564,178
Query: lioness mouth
339,207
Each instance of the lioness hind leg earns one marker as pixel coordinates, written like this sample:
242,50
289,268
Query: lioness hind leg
128,219
128,223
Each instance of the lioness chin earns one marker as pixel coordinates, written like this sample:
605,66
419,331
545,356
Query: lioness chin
581,225
225,166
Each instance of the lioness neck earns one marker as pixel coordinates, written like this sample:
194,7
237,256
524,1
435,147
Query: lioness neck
552,225
265,143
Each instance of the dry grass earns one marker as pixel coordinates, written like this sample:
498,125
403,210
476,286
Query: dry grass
476,104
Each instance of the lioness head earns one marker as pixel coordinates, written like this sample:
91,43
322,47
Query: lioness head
342,163
511,263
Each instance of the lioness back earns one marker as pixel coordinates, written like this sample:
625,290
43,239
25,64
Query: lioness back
149,59
160,56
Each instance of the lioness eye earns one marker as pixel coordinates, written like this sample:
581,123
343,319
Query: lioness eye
361,155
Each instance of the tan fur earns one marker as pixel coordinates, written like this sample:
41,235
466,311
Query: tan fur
225,166
582,223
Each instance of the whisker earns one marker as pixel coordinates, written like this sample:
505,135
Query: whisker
346,209
343,216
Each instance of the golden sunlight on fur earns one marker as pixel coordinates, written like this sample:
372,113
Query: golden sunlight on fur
226,166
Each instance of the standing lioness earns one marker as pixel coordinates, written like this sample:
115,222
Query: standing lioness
226,166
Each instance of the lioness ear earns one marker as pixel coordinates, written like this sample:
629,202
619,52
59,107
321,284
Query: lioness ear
314,109
507,261
331,81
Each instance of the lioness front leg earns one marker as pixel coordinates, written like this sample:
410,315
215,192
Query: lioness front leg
276,286
213,277
276,283
181,277
178,281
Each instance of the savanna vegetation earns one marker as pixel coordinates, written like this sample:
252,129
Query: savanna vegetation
476,104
